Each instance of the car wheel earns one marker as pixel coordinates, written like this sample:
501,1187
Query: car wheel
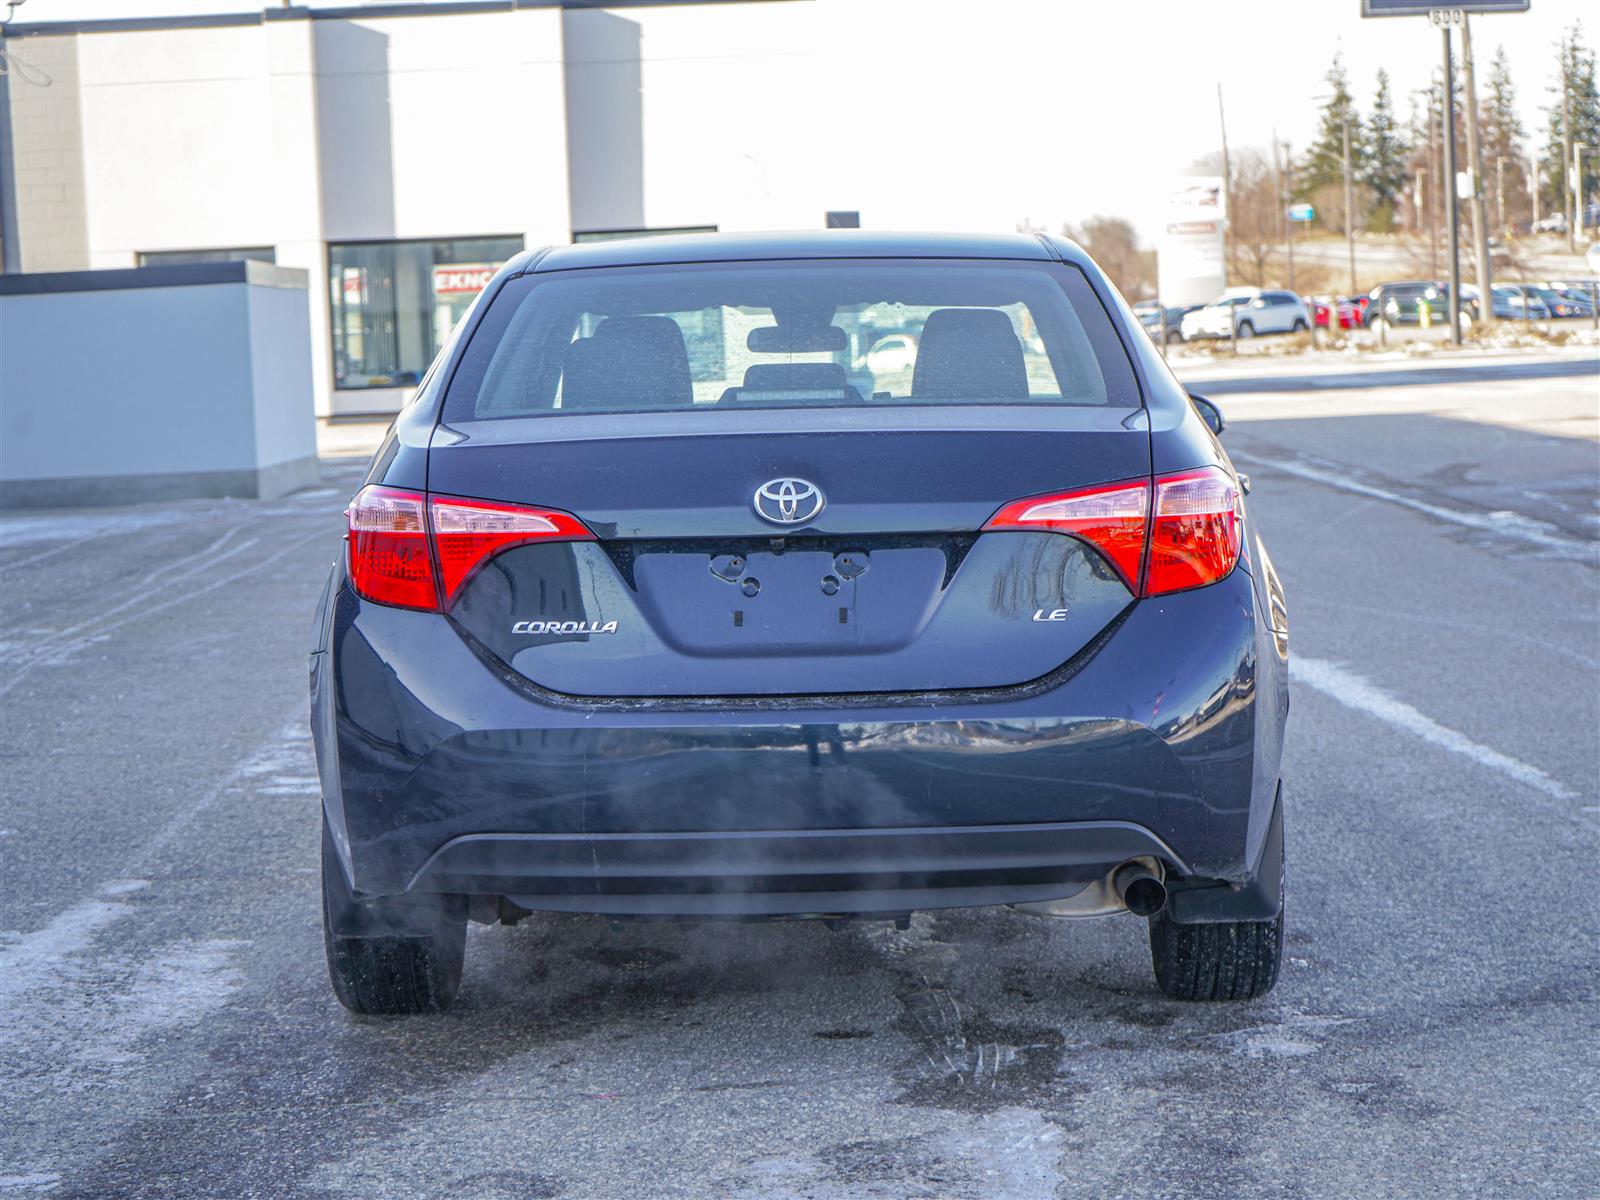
391,975
1299,326
1174,336
1379,325
1246,330
1235,960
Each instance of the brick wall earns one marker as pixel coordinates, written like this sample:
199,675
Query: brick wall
43,154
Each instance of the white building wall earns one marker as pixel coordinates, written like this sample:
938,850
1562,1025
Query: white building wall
177,141
741,115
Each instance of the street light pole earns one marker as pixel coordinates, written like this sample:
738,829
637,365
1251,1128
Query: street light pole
1452,233
1349,206
1480,218
1500,193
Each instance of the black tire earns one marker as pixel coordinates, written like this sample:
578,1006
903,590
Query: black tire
1246,330
391,975
1174,337
1236,960
1299,326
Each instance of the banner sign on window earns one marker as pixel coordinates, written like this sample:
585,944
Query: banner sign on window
461,279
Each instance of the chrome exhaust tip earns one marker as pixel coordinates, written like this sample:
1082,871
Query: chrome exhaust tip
1140,889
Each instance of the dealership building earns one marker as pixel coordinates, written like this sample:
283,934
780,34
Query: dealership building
395,152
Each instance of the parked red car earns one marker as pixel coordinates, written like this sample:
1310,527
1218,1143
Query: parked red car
1349,311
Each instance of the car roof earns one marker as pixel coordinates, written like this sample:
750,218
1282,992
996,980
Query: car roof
832,243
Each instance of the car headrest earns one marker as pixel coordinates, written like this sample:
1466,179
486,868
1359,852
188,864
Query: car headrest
777,383
969,354
630,362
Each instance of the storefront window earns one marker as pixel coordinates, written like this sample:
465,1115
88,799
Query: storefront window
393,304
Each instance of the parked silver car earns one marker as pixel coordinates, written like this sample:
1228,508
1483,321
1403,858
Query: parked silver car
1250,311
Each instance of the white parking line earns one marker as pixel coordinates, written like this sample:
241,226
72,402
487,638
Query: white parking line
1505,524
1355,692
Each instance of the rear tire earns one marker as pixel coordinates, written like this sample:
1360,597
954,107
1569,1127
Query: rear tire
1299,326
390,975
1229,960
1235,960
1246,330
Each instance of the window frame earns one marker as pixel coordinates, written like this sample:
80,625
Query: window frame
1055,269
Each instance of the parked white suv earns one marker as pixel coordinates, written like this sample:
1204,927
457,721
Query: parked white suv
1252,310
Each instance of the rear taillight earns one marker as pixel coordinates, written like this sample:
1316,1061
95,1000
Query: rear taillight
391,561
1194,539
1193,536
470,532
1110,517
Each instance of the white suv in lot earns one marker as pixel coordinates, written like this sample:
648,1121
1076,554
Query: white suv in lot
1252,310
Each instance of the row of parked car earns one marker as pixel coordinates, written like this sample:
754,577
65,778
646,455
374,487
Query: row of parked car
1251,312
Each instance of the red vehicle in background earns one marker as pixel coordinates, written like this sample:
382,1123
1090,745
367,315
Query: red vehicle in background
1349,310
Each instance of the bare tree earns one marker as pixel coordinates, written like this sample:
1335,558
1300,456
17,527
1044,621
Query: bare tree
1114,244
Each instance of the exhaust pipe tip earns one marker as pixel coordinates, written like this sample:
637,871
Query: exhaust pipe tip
1140,889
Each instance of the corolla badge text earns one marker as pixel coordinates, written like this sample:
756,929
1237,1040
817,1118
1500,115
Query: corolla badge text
564,627
1050,614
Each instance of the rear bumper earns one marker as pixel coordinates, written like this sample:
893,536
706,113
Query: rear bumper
773,873
1162,740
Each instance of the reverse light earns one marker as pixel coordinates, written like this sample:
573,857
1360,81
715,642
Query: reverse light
411,550
1194,539
1192,535
388,546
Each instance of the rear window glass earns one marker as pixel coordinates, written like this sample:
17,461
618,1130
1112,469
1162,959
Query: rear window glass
810,334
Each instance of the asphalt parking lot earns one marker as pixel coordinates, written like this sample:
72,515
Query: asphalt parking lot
166,1027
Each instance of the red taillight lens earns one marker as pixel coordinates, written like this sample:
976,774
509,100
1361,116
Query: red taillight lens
1110,517
1194,531
389,559
1194,539
469,532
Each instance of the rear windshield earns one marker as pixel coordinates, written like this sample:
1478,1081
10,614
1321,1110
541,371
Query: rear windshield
810,334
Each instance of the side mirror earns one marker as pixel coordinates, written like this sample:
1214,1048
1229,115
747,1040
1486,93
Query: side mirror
1209,412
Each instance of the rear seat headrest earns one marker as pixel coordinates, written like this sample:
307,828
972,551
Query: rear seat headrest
969,354
630,362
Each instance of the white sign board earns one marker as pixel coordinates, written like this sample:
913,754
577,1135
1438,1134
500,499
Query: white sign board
1190,260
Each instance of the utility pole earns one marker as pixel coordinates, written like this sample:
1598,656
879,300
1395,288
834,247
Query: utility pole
1434,199
1452,232
1568,182
1533,188
1282,198
1480,219
1288,190
1349,206
1227,185
1500,193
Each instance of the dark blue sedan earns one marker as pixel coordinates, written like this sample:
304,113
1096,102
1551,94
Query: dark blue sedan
667,598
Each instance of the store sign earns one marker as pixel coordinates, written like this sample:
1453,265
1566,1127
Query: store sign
461,279
1302,212
1189,257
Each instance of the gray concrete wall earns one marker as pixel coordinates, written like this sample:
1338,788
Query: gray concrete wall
119,386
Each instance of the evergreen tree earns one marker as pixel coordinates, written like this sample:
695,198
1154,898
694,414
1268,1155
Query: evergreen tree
1504,150
1575,73
1384,158
1320,175
1324,161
